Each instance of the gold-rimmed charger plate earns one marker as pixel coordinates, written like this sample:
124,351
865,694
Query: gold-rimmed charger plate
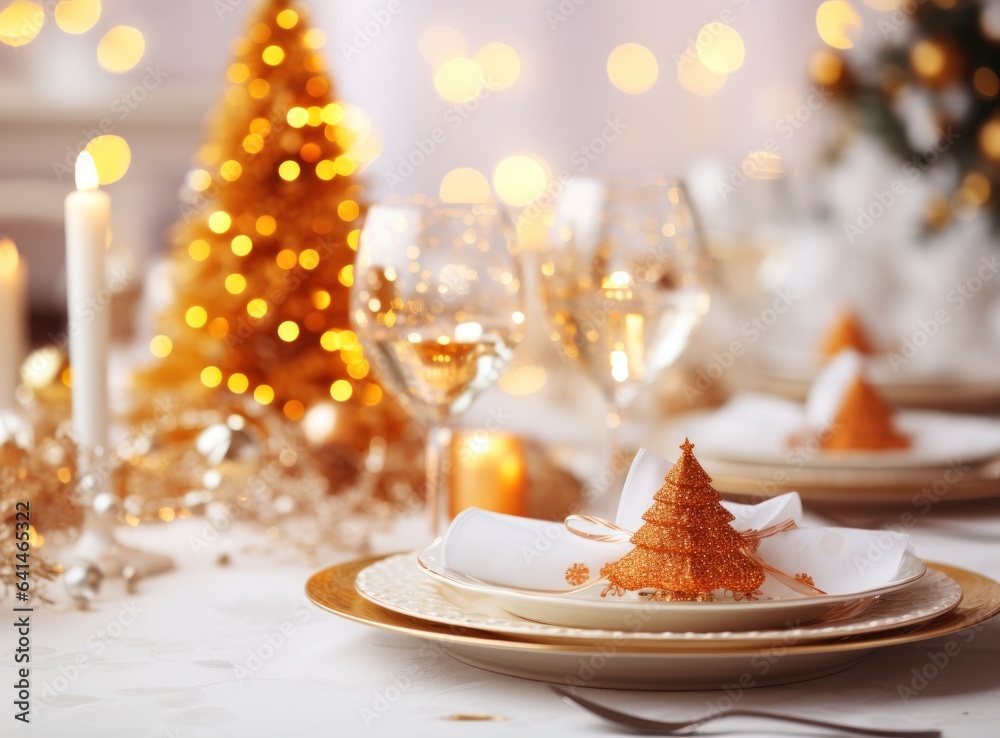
747,481
616,665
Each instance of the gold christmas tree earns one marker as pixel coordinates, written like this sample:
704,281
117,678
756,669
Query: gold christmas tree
864,422
263,255
846,332
687,548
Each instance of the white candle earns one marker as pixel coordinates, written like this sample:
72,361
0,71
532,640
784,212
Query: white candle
88,303
12,343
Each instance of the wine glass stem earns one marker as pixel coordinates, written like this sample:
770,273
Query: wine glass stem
438,498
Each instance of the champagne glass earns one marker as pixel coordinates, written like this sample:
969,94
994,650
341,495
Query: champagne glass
437,303
624,281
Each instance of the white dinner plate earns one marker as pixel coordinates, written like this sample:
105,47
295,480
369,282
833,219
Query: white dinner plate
632,613
756,429
396,583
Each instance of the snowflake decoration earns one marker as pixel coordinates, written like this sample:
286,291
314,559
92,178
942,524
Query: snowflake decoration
577,574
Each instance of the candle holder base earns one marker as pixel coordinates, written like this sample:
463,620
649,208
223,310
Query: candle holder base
98,545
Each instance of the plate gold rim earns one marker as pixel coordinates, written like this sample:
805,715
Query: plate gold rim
332,589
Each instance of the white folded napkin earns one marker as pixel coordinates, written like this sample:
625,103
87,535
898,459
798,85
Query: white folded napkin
536,555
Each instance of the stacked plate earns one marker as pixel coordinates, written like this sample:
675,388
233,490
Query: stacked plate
745,446
625,644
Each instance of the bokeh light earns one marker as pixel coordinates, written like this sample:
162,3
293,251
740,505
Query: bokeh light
111,155
632,68
500,65
441,43
121,48
464,185
695,77
720,48
77,16
20,22
519,179
523,380
161,346
838,23
459,80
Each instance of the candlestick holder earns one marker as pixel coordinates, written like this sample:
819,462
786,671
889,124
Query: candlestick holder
98,545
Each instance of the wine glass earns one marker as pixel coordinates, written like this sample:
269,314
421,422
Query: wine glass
624,281
437,303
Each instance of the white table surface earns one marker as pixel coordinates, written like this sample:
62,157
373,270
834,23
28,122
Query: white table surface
183,665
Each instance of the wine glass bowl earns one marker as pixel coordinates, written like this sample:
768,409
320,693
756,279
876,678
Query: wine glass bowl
437,303
624,280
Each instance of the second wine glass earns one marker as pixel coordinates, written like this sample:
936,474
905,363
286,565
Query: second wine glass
437,303
625,282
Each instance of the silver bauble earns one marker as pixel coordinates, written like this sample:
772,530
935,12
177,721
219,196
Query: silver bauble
82,582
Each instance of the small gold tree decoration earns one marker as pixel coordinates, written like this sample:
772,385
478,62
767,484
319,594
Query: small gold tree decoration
687,548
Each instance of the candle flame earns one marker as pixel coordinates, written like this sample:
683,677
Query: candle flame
86,172
9,258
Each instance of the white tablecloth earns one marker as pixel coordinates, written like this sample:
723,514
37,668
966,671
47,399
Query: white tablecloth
237,650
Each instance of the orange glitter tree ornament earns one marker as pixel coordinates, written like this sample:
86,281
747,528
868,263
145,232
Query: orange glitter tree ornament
863,422
846,332
687,548
263,255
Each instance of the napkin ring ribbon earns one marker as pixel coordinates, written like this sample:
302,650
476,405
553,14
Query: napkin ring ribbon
620,535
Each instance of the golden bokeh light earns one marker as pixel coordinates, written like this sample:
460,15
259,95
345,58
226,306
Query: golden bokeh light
288,170
288,330
241,245
459,80
825,67
112,157
219,221
519,179
120,49
989,139
287,18
720,48
928,59
77,16
21,22
341,390
230,170
257,308
695,77
199,250
196,316
236,283
309,259
348,210
264,394
297,117
286,259
273,55
314,38
211,376
259,88
218,327
986,82
238,73
464,185
632,68
238,383
441,43
294,410
161,346
371,394
266,225
499,64
838,23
